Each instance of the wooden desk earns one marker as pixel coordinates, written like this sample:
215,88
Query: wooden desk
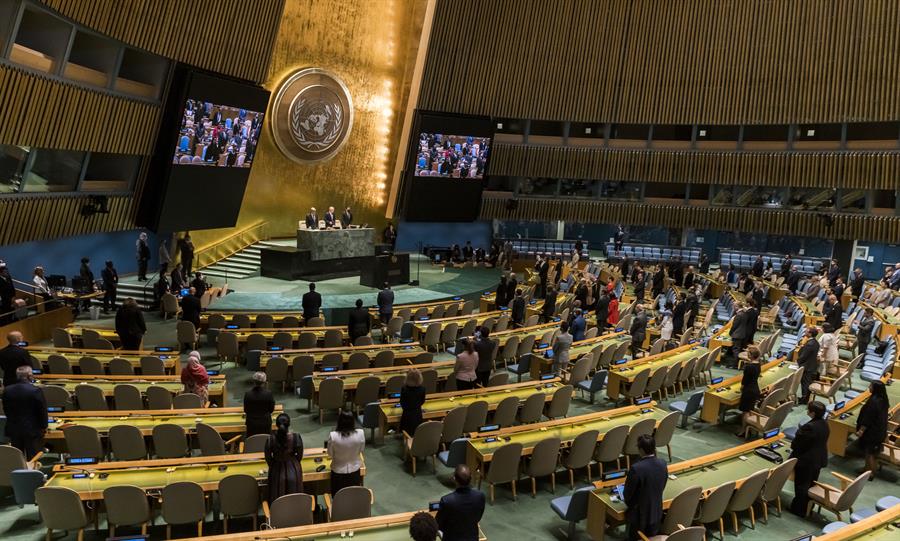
811,315
890,325
621,375
841,429
878,527
42,354
76,331
541,365
402,352
229,315
352,378
716,287
107,384
719,398
413,307
295,332
721,338
421,325
707,471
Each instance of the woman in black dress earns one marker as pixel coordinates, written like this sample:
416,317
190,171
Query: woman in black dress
412,396
258,406
283,452
871,426
749,385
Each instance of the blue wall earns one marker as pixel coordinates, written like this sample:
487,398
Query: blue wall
882,255
409,234
63,256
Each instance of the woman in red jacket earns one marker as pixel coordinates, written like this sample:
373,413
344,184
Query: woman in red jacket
613,317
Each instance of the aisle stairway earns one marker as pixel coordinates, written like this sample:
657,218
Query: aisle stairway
243,264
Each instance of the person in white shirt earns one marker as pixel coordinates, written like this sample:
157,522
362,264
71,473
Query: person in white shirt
40,283
828,350
345,446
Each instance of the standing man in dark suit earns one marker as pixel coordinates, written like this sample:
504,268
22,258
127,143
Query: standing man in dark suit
678,312
619,240
543,267
787,265
7,294
691,307
130,325
258,406
549,307
659,279
346,218
689,277
833,312
386,303
752,320
12,357
638,330
312,219
740,333
833,272
810,448
186,246
190,308
758,267
511,285
758,295
864,328
857,283
329,218
643,492
358,322
460,511
793,280
110,284
311,303
602,309
808,359
517,315
142,254
26,413
485,347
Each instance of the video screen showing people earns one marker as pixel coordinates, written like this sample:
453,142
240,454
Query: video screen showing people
454,156
217,135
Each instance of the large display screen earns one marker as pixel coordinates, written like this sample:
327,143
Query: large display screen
212,134
448,163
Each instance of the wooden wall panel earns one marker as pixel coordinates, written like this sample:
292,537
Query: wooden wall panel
851,169
47,217
43,112
667,61
233,37
808,224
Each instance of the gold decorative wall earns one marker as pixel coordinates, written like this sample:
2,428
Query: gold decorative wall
371,46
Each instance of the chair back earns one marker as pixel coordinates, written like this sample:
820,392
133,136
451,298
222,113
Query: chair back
239,494
90,397
448,334
302,366
187,401
367,390
639,385
256,342
713,506
186,332
505,414
776,480
358,361
430,380
666,429
276,371
578,505
126,442
292,510
591,333
256,443
227,345
331,394
427,439
60,508
682,510
454,422
848,496
778,416
644,426
56,396
748,492
611,446
476,416
526,344
83,442
333,360
152,366
694,533
290,322
505,464
393,327
158,398
61,338
456,453
126,505
170,441
169,304
284,340
452,310
559,404
582,450
544,457
394,384
209,441
432,335
580,371
315,322
264,321
334,338
351,503
183,503
127,397
657,346
606,356
655,383
384,359
498,379
215,321
90,366
58,364
307,340
468,328
426,357
532,409
11,459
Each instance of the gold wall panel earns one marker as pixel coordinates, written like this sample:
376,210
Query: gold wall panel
233,37
43,112
853,169
46,217
807,224
667,61
371,46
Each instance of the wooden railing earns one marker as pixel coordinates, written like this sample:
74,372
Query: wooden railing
230,245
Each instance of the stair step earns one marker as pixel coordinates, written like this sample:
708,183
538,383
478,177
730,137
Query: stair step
244,258
236,265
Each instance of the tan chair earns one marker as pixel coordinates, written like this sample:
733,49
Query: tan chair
498,379
283,340
277,372
127,397
358,361
255,444
665,430
580,454
394,384
502,323
829,390
350,503
392,330
579,370
241,320
187,401
90,398
120,367
761,423
745,496
543,461
644,426
476,416
83,442
90,366
712,509
771,492
432,337
559,404
430,380
56,396
637,387
169,306
290,510
227,348
454,422
183,503
126,442
331,396
611,446
90,339
655,383
210,441
61,338
367,390
126,505
834,500
682,509
657,346
532,409
159,398
317,321
448,336
505,414
333,360
684,375
186,334
264,321
152,366
58,364
12,459
61,509
425,443
695,533
671,381
510,351
384,359
504,468
256,342
238,497
170,441
307,340
302,366
334,338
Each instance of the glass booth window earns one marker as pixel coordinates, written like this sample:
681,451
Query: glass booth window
54,171
12,167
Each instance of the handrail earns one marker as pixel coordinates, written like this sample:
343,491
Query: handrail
231,244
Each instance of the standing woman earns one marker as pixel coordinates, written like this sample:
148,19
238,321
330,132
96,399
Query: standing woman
283,452
258,406
345,446
412,396
560,347
666,327
466,363
750,392
871,426
828,350
194,377
612,319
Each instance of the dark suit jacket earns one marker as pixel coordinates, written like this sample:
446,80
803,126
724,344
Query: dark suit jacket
856,285
518,310
190,310
752,322
793,280
25,409
329,219
808,356
833,314
643,494
258,406
459,514
386,301
602,308
346,219
312,302
358,322
810,445
12,357
740,329
689,279
549,305
485,349
312,221
638,329
130,322
678,312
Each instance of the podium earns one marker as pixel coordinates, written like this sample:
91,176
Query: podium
390,268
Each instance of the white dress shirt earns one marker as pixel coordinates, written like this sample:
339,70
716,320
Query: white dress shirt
40,285
346,451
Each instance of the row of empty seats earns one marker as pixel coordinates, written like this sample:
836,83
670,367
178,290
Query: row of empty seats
654,252
744,260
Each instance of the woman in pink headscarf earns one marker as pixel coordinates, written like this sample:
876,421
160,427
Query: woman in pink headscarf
194,377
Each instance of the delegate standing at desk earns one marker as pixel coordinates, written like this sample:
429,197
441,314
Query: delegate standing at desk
26,413
461,510
329,218
810,448
312,219
643,492
312,303
258,406
412,396
346,218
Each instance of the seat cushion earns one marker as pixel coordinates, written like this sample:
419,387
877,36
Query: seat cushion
561,505
862,514
817,494
833,526
678,406
443,456
887,502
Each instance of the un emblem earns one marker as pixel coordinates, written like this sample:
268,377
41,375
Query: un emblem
312,115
